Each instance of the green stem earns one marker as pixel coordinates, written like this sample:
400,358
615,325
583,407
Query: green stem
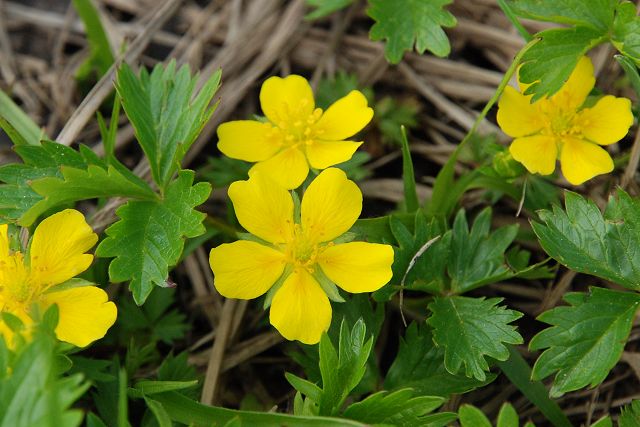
508,12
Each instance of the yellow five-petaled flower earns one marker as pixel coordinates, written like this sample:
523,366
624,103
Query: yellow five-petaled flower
56,254
296,135
298,253
560,127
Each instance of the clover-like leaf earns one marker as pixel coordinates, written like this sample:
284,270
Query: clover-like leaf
414,22
469,330
586,338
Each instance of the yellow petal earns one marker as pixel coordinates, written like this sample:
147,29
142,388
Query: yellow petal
58,248
345,117
4,243
537,153
606,122
330,206
248,140
358,266
576,89
263,208
85,314
516,115
282,98
245,269
300,309
288,168
322,154
582,160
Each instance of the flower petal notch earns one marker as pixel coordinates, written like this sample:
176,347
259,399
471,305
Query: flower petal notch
295,259
296,136
562,128
57,253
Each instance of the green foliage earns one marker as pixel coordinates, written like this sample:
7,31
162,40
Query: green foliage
149,237
469,329
549,62
101,56
399,408
19,127
419,365
630,415
470,416
417,22
166,114
34,391
325,7
390,115
586,338
583,239
408,176
155,320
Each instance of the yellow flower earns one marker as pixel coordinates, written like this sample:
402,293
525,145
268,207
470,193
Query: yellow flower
296,135
56,254
300,257
558,128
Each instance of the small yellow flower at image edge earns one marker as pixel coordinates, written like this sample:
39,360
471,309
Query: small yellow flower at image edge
561,127
298,257
296,134
56,254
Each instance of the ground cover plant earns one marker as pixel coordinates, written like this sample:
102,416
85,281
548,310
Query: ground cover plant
319,213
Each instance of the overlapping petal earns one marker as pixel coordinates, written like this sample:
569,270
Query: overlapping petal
358,266
516,115
248,140
330,206
582,160
322,154
263,208
345,117
245,269
577,87
4,243
85,314
288,168
58,248
608,121
280,98
300,309
537,153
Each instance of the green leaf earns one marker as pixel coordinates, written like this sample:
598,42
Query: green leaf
343,369
626,30
408,176
186,411
33,391
586,338
470,329
470,416
416,22
508,417
166,113
548,63
603,422
83,184
18,125
584,240
597,14
148,388
630,415
519,373
419,365
161,415
477,256
630,70
325,7
101,56
399,408
149,237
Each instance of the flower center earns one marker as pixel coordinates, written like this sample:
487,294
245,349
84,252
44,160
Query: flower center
294,126
301,251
